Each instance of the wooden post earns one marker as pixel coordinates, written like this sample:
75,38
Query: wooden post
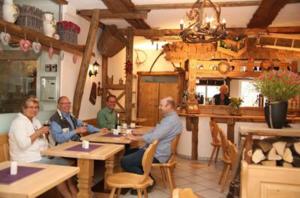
104,80
230,129
91,40
194,122
129,76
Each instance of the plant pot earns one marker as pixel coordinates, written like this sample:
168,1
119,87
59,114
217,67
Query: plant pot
275,114
234,111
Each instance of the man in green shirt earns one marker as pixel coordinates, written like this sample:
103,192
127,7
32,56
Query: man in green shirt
107,117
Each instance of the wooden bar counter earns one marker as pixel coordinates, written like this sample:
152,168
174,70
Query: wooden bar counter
221,115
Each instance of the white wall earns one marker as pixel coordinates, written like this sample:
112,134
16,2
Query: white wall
70,70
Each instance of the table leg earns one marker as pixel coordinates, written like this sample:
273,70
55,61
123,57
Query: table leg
230,130
194,125
109,169
85,177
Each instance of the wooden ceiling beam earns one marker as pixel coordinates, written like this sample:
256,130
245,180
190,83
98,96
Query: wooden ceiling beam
62,2
266,13
155,33
107,14
122,6
86,58
189,5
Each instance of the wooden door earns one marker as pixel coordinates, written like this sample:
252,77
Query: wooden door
168,89
148,102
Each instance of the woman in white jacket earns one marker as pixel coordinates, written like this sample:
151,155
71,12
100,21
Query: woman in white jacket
27,137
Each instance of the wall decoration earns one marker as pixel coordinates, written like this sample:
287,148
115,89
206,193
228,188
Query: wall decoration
93,94
5,38
25,45
51,68
36,47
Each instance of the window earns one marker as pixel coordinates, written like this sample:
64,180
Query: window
248,93
17,80
207,89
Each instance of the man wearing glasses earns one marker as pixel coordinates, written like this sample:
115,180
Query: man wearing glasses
64,126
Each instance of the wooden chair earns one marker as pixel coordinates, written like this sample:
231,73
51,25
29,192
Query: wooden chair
130,180
184,193
216,143
229,156
4,150
167,168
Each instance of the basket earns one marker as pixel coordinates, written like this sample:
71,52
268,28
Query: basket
30,17
110,41
67,35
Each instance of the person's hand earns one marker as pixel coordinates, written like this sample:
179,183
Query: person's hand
43,130
104,130
81,130
131,137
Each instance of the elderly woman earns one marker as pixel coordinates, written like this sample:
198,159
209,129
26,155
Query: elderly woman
222,98
27,137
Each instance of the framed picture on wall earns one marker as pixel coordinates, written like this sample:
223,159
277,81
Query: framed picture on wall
50,67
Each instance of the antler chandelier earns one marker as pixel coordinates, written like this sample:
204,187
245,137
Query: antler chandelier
200,29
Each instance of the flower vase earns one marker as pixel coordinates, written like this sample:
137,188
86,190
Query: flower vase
10,11
234,111
49,24
276,113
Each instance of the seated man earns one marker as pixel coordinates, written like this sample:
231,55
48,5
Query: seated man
168,128
64,126
107,117
222,98
27,138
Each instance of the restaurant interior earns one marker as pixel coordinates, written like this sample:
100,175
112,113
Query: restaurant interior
213,85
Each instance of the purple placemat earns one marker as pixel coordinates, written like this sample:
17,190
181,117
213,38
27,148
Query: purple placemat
23,171
80,149
112,135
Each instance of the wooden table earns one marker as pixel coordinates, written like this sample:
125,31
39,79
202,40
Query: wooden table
85,161
37,183
99,137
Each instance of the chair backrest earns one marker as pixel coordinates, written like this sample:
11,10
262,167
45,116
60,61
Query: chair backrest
233,152
174,144
148,158
4,149
229,149
214,130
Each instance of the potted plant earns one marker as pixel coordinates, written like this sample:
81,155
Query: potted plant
278,86
234,105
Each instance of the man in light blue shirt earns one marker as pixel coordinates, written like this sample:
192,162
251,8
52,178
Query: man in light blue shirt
168,128
64,126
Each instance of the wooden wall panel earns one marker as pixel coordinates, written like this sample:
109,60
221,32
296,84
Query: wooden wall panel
147,104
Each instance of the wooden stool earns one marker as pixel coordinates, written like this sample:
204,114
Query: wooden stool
167,168
118,181
229,157
216,143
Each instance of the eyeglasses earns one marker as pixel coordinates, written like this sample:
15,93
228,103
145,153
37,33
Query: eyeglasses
32,107
65,103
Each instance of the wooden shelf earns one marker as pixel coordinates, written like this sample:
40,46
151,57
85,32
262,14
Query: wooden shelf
19,32
230,74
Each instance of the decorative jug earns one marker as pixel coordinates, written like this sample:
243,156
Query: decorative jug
10,11
49,24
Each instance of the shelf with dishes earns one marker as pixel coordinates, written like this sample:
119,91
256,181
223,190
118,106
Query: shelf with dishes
19,33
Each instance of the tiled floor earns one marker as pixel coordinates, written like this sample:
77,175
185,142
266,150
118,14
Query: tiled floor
190,174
